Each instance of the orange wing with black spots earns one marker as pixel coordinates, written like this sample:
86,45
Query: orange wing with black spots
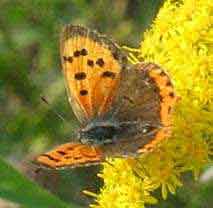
92,65
70,155
167,98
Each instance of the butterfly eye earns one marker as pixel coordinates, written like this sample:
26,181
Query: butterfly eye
144,130
148,129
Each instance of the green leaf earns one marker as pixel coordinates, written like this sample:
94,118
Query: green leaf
17,188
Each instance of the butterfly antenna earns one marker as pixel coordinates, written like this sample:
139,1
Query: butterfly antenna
56,113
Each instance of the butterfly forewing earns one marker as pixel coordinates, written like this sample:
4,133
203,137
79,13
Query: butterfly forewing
92,65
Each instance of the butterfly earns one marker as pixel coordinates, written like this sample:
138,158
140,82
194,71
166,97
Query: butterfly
123,109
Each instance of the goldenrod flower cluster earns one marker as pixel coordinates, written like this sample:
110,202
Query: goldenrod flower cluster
181,41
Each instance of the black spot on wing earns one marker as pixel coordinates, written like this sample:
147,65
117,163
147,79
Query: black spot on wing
168,83
84,52
68,58
80,76
83,92
61,152
162,73
70,148
68,157
161,98
171,94
77,157
100,62
90,62
77,53
108,74
51,158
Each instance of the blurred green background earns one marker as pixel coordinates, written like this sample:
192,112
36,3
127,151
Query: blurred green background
30,68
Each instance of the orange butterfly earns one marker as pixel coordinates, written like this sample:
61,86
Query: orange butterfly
123,110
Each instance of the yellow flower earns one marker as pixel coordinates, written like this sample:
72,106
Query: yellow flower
181,41
128,185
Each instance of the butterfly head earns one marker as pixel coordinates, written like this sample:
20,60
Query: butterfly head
98,132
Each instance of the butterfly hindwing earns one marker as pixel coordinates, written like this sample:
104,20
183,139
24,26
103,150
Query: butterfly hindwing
167,98
145,99
92,65
70,155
